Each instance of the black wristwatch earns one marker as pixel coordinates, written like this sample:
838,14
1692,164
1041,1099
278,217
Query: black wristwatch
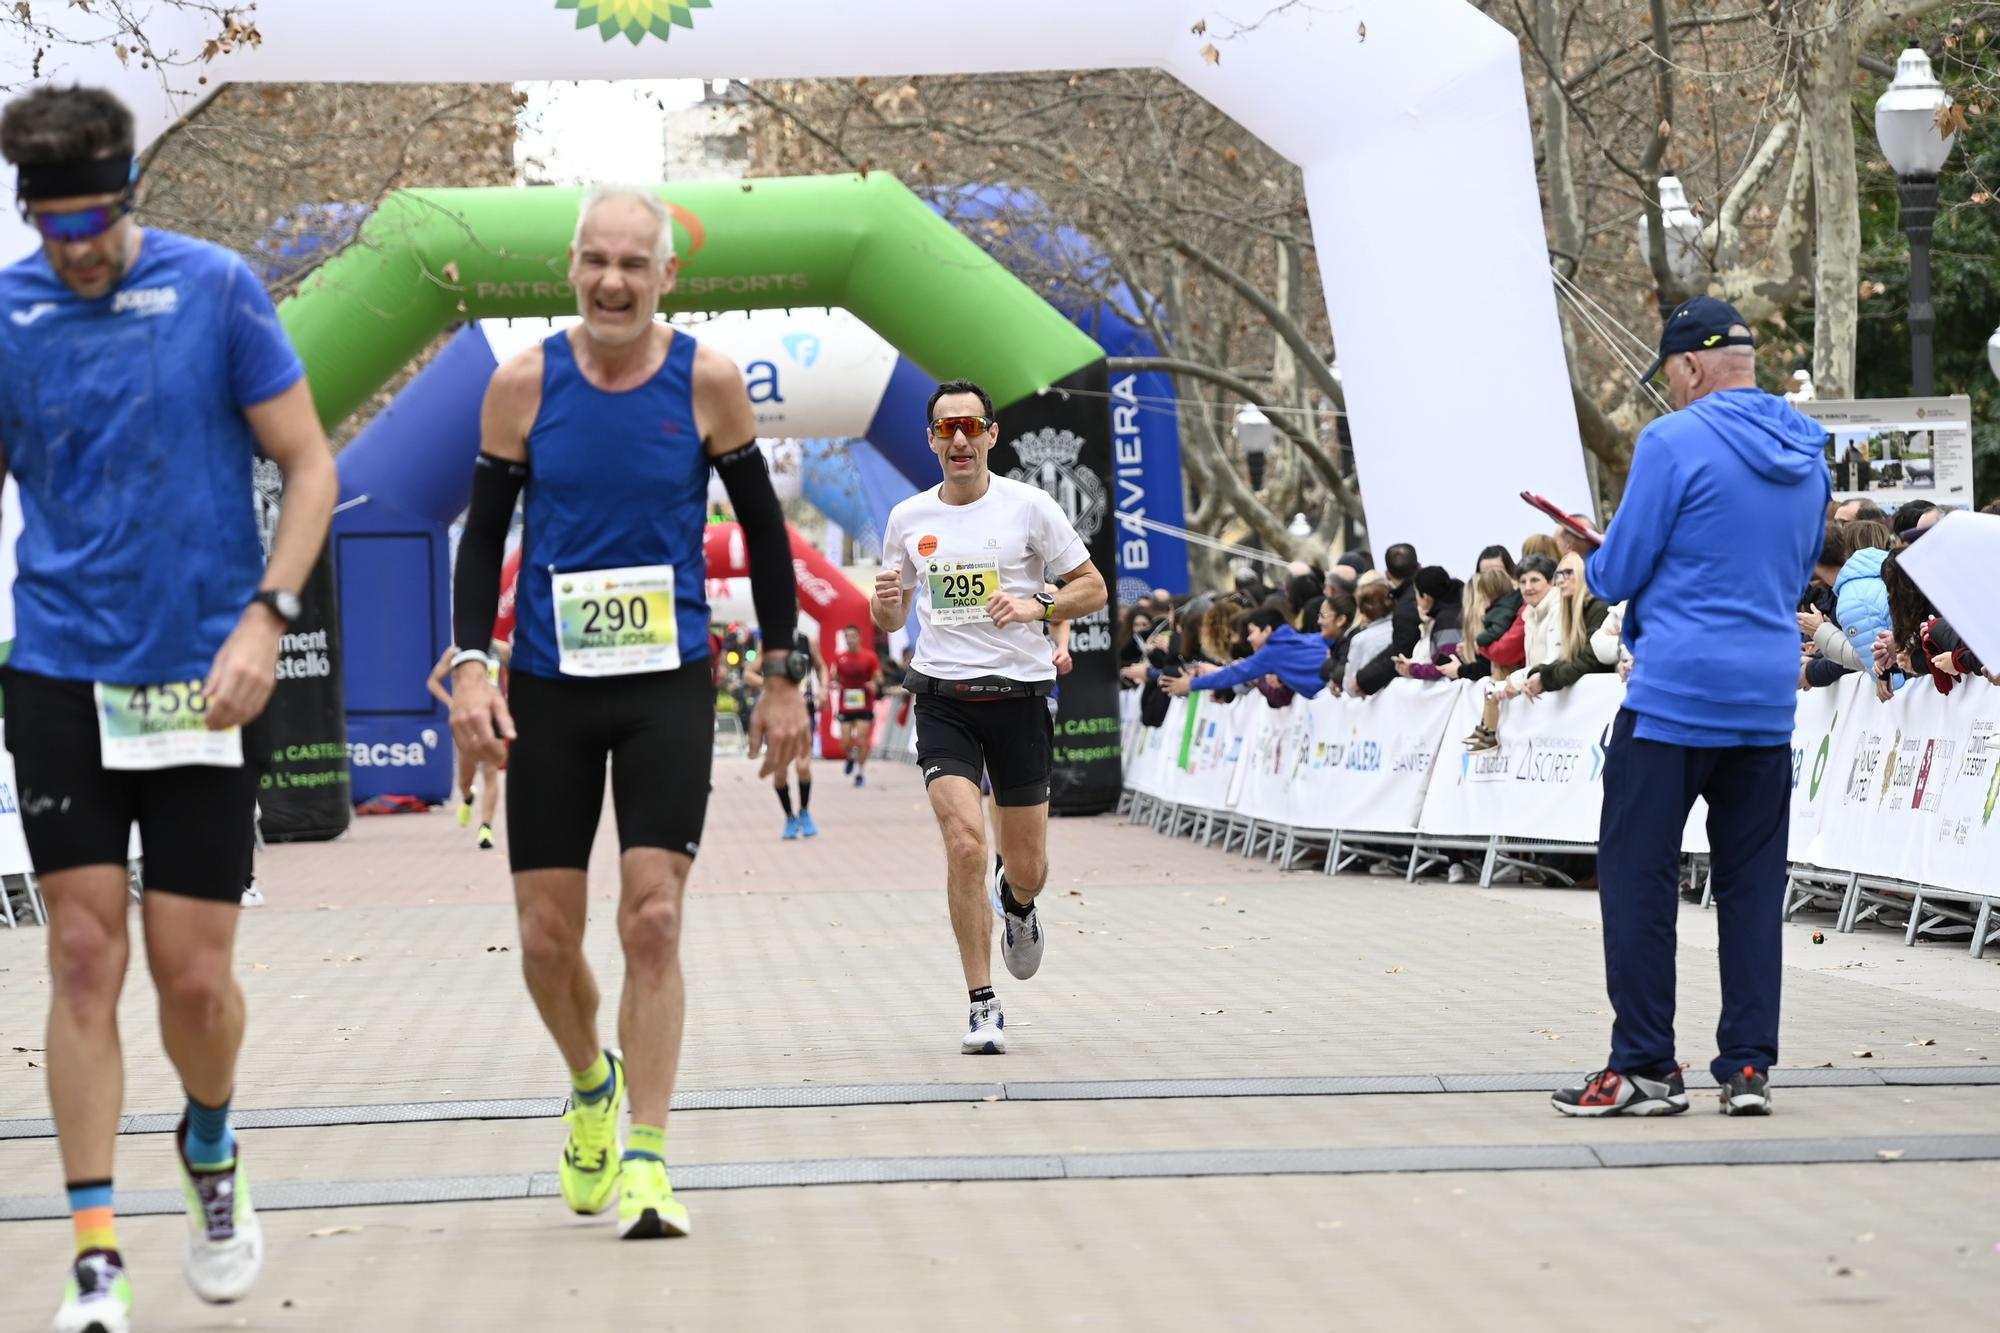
283,604
794,666
1048,602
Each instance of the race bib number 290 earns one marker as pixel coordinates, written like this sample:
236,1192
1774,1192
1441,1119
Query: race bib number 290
960,589
162,726
616,622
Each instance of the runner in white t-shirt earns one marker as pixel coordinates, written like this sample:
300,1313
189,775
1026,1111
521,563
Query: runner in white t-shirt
972,556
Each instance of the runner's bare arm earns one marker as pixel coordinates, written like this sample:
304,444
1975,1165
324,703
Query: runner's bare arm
244,671
1082,592
289,434
436,682
1059,637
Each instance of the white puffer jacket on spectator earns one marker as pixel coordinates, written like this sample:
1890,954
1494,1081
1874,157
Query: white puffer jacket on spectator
1542,635
1604,642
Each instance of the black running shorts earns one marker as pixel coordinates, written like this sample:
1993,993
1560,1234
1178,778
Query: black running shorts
1012,740
196,823
656,729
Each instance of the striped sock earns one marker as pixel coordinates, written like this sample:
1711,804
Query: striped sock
211,1145
646,1143
593,1084
90,1210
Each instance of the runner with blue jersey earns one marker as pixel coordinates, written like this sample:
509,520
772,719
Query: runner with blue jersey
610,429
144,371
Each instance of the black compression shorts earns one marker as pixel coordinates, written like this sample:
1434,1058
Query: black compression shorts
658,731
195,822
1012,740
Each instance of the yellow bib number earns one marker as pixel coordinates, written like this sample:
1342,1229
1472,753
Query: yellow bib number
616,622
960,589
161,726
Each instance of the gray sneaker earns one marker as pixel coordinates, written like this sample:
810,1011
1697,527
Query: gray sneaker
1020,936
986,1032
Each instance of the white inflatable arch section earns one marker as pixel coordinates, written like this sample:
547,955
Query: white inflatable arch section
1412,132
811,374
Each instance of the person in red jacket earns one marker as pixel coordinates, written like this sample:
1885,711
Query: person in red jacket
855,670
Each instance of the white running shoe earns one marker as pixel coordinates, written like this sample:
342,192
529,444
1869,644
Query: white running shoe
98,1299
1020,936
252,895
225,1241
986,1032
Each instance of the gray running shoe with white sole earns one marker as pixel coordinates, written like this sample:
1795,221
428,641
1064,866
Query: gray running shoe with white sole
986,1032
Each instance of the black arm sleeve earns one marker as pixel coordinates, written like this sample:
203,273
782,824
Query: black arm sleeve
475,590
773,584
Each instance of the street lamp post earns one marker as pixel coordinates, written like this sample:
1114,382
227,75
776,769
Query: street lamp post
1255,433
1907,128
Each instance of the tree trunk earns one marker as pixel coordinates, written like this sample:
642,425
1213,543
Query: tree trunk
1828,74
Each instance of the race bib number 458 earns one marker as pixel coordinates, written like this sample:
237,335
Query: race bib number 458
960,589
161,726
616,622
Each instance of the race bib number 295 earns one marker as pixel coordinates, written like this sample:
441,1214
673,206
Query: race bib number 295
960,589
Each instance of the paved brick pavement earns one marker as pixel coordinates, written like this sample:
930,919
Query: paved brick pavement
386,970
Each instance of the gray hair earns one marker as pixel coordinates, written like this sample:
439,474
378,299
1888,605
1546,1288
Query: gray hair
646,199
1738,358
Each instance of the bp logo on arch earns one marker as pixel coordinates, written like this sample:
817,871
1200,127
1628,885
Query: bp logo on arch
634,19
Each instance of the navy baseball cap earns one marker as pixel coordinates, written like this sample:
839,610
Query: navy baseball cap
1699,324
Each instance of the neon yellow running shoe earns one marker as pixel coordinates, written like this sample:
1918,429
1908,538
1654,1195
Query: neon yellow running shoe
98,1299
465,813
590,1159
647,1208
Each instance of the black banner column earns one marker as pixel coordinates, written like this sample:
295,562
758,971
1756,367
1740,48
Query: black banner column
1061,442
299,745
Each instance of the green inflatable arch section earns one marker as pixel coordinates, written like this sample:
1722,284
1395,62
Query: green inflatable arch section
428,259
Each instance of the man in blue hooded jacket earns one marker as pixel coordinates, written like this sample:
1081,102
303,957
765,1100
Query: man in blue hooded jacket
1722,520
1276,649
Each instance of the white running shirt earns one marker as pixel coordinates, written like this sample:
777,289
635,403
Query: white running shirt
1016,530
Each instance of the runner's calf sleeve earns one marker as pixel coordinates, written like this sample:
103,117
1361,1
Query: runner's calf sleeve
475,593
773,584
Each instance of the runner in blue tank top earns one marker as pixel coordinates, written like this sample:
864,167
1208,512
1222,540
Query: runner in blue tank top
142,369
610,429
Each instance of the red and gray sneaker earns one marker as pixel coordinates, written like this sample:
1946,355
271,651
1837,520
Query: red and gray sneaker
1748,1092
1608,1092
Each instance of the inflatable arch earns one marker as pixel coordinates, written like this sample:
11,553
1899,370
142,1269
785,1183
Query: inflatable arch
1411,129
429,258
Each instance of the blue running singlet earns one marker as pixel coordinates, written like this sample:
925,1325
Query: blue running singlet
614,480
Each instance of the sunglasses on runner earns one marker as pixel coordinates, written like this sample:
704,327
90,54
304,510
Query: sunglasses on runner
82,224
970,427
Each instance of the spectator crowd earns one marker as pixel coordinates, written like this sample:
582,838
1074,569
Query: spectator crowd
1522,622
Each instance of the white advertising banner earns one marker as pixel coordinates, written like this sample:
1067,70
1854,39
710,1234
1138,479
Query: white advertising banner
13,839
1264,772
1957,849
1905,790
1363,765
1823,723
1874,822
1546,778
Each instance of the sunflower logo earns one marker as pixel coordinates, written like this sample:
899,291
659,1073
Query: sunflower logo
634,18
